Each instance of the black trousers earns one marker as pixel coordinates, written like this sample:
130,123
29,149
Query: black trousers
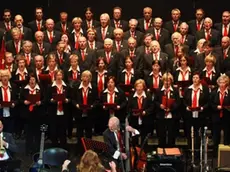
84,127
166,132
58,130
8,123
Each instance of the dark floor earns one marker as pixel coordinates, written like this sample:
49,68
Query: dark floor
74,153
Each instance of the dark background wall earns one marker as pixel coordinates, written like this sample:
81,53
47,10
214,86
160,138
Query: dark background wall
131,8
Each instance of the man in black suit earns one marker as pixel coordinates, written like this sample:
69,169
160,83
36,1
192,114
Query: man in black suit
116,22
38,24
8,143
160,34
186,38
113,137
208,33
173,25
6,24
92,43
197,24
26,32
27,53
119,43
89,22
147,21
133,32
86,56
224,26
63,26
104,31
40,46
51,36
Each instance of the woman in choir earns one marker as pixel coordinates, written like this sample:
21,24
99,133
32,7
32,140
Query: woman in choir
209,74
115,96
33,113
8,93
127,76
52,66
57,101
196,101
220,103
84,100
68,47
167,101
140,106
99,79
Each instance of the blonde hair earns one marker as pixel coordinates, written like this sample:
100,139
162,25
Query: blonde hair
76,20
167,76
73,57
223,77
5,72
140,81
210,58
87,73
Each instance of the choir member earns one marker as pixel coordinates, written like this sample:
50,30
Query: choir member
220,102
196,100
147,21
62,58
174,24
140,107
57,103
117,22
27,53
89,21
63,25
197,23
92,43
119,43
84,100
8,101
9,62
52,66
113,101
167,101
38,24
6,24
224,26
33,113
68,47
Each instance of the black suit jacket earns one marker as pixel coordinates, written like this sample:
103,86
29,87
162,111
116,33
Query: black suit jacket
3,26
34,28
138,36
10,47
141,26
164,37
169,49
190,41
8,137
26,35
124,25
169,26
150,81
193,27
56,38
224,62
94,25
123,45
214,37
219,28
58,27
98,45
45,50
109,33
66,61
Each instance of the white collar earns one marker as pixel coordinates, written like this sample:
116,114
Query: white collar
55,84
225,91
160,74
9,85
104,71
81,31
125,71
48,69
81,86
25,71
213,69
35,88
192,87
180,69
197,51
115,89
163,88
142,95
78,68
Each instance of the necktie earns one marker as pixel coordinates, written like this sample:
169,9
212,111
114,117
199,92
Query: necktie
221,102
225,53
155,56
74,75
40,48
8,26
103,33
139,102
183,75
176,50
146,25
9,67
39,26
167,93
83,55
131,54
128,74
157,35
84,91
31,107
147,50
111,101
198,26
61,59
117,24
6,99
88,24
51,73
27,59
100,83
225,30
21,76
132,34
64,27
155,81
175,26
17,47
118,45
182,39
207,35
51,37
120,141
194,99
107,57
209,74
76,41
91,45
60,104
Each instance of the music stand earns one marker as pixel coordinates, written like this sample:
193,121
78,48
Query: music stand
10,165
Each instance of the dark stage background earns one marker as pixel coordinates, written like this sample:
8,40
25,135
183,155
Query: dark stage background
131,8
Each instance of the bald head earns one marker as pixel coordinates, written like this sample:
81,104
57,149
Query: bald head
114,124
18,21
158,23
50,24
